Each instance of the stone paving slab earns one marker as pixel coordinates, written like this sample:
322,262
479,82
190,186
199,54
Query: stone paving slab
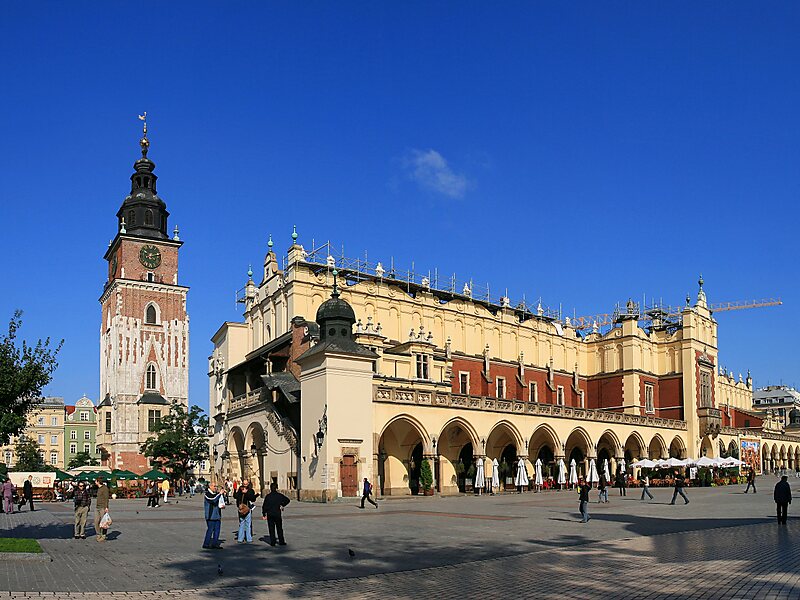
450,546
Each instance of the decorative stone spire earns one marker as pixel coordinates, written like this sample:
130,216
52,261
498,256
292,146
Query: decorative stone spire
270,243
294,234
701,295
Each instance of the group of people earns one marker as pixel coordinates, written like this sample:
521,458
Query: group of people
8,491
245,501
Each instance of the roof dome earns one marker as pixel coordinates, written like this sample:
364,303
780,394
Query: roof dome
335,308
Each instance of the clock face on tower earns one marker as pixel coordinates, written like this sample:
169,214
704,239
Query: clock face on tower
150,256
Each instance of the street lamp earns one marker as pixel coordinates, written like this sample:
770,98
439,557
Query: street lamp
323,428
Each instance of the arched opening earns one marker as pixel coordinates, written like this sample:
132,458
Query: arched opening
131,218
255,447
706,448
150,315
506,466
545,446
466,468
607,449
733,449
765,456
578,448
657,448
400,455
456,443
677,449
148,217
502,444
233,461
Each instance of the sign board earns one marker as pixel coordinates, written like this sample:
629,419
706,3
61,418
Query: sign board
40,480
750,453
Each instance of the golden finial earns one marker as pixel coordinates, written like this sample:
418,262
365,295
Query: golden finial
144,142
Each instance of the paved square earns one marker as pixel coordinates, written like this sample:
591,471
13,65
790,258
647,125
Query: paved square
724,544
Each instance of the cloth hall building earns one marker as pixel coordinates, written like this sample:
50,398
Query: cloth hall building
332,379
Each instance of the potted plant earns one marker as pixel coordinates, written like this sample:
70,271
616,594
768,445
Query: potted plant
470,478
426,478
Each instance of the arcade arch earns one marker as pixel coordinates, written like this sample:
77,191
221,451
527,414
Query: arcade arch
400,452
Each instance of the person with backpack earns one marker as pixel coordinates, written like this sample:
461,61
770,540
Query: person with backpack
245,498
367,492
602,488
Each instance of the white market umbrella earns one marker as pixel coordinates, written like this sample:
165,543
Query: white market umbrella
732,462
593,476
573,473
538,480
495,473
645,463
706,462
562,479
480,478
522,474
605,470
621,465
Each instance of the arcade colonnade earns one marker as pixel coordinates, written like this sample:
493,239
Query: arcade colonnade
453,442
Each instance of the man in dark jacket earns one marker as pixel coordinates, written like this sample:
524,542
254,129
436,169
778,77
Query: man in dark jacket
83,502
679,481
274,504
27,493
366,494
751,481
783,498
212,508
583,490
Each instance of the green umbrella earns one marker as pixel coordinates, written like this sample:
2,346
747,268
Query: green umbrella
123,475
154,474
60,475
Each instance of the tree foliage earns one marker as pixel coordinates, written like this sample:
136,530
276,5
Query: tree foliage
28,457
82,459
425,475
24,371
181,439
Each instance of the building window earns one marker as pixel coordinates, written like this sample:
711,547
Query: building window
747,423
84,415
41,440
150,315
8,457
131,218
41,421
54,421
97,449
148,216
42,456
583,398
422,366
73,448
705,389
153,419
202,466
533,392
108,422
87,435
150,379
73,435
501,387
53,440
649,403
53,458
463,383
560,395
86,448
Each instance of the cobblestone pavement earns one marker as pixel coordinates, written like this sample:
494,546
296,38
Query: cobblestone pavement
723,545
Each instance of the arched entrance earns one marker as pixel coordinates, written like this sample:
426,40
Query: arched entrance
255,451
578,448
634,448
607,449
502,444
677,449
657,448
706,448
235,453
400,452
545,446
456,443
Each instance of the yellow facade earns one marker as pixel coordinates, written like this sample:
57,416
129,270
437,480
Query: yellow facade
46,427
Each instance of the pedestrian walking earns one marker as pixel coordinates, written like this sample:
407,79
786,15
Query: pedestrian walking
83,502
27,493
621,483
751,481
8,496
245,499
783,498
583,491
646,487
165,489
213,503
152,494
679,481
192,484
366,493
100,509
602,488
272,512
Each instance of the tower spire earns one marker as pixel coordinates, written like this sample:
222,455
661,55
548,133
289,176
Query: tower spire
144,142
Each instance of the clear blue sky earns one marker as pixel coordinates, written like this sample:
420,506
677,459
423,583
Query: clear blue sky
581,152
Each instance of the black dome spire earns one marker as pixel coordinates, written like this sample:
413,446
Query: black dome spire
143,212
335,316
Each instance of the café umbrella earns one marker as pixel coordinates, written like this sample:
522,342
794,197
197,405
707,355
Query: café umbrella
538,479
495,473
605,470
562,478
521,479
593,476
480,478
573,473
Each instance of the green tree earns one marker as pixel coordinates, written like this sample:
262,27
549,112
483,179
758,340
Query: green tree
82,459
181,439
425,475
24,371
28,457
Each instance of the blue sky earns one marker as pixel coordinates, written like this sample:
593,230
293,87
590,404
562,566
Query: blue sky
581,152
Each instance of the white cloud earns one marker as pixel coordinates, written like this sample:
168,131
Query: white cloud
430,171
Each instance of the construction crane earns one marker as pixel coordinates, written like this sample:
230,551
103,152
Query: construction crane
662,315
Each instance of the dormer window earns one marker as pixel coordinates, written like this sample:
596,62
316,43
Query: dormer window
423,366
148,217
131,218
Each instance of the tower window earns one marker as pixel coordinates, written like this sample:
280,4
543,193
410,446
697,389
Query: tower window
131,218
148,217
153,419
150,316
150,277
108,422
150,377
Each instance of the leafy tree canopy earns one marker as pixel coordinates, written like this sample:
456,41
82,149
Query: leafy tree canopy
28,457
24,371
82,459
180,440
